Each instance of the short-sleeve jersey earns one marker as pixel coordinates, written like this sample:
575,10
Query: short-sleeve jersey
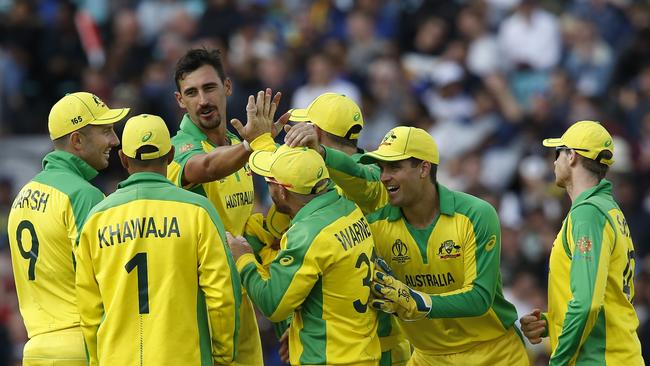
456,261
43,225
232,196
591,320
322,276
151,259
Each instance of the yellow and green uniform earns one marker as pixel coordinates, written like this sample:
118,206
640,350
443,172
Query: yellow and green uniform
43,225
456,261
233,198
151,260
322,276
591,320
361,184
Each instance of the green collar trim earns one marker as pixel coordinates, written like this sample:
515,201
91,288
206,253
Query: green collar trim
603,187
319,202
64,160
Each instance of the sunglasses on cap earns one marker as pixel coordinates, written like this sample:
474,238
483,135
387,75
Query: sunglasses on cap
559,149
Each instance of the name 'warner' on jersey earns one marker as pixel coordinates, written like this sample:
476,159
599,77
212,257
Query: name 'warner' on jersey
322,276
458,263
42,227
595,251
151,256
232,196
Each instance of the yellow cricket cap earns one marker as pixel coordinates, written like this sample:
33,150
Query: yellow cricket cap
587,138
402,143
78,110
145,130
333,113
298,169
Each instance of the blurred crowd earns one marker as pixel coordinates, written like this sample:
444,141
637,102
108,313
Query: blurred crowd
489,79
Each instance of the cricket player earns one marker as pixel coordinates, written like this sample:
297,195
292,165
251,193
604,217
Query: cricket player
324,269
334,124
43,224
590,318
144,254
211,161
440,269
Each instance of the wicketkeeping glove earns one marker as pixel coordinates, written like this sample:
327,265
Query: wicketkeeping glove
394,297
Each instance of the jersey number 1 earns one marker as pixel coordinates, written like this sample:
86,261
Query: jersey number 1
140,261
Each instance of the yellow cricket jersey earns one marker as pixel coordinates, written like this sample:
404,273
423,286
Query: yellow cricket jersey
151,259
361,184
322,276
232,196
591,320
456,261
42,227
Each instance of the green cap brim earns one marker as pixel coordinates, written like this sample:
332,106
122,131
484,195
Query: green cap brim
298,115
373,157
111,116
260,163
555,142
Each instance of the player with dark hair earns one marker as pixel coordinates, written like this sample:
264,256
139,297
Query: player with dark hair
212,161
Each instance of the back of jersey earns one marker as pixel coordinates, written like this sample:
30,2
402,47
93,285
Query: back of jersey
335,324
42,227
144,254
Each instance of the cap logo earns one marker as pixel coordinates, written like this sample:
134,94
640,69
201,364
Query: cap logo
320,173
356,116
388,139
147,136
98,101
608,142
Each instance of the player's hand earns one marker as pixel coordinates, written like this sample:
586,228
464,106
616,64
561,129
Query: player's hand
303,134
533,326
394,297
238,246
284,347
260,112
280,124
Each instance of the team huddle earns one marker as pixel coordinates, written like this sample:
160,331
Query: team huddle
363,259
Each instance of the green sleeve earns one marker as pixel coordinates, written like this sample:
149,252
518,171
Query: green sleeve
360,183
184,149
482,272
588,279
292,275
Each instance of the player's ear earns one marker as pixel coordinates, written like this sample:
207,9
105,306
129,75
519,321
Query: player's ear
170,155
75,140
425,169
179,99
123,160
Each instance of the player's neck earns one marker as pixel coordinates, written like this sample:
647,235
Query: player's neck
216,135
422,212
580,182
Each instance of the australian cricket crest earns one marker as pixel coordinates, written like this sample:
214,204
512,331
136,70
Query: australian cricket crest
448,249
400,252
